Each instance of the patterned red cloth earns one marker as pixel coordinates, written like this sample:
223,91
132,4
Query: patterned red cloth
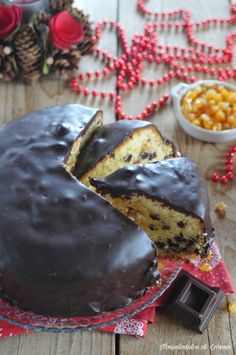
211,270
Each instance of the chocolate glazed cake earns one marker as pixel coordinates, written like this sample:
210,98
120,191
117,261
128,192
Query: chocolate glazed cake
119,144
168,200
64,250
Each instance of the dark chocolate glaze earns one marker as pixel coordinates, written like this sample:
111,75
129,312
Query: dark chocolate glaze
64,250
105,139
176,182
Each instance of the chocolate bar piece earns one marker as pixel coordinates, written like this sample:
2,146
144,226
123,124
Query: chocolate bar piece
192,301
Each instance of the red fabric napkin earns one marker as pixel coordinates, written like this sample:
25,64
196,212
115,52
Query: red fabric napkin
211,270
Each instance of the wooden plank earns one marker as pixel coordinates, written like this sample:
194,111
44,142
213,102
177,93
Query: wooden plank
17,99
108,41
221,328
9,346
94,343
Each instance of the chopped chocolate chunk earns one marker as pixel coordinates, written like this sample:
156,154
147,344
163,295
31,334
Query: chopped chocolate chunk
155,216
196,251
181,224
192,301
128,158
152,227
165,227
144,155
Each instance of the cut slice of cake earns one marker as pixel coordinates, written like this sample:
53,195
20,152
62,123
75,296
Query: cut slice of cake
118,144
168,200
82,139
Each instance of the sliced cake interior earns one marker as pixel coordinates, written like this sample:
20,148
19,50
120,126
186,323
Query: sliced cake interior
81,141
168,200
119,144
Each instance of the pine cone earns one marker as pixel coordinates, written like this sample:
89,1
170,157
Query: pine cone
59,5
86,45
42,17
29,54
8,69
66,64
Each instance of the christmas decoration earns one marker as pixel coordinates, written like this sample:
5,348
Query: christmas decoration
223,179
28,53
10,19
33,44
199,58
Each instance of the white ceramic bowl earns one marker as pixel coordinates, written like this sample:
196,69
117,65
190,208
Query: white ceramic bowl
206,135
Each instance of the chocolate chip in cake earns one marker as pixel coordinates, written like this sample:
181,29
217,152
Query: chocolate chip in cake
128,158
152,227
152,155
181,224
170,242
144,155
165,227
155,216
180,238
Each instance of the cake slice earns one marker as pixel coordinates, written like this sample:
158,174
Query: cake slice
168,200
118,144
82,139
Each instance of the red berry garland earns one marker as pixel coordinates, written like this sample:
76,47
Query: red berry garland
199,58
223,179
183,62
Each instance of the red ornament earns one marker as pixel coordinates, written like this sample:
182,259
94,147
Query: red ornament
10,18
223,179
65,30
230,175
215,177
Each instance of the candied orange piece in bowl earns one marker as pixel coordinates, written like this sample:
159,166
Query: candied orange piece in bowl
206,109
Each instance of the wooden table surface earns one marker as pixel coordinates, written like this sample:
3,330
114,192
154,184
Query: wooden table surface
16,99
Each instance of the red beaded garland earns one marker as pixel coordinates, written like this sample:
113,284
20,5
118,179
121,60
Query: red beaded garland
200,57
228,169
